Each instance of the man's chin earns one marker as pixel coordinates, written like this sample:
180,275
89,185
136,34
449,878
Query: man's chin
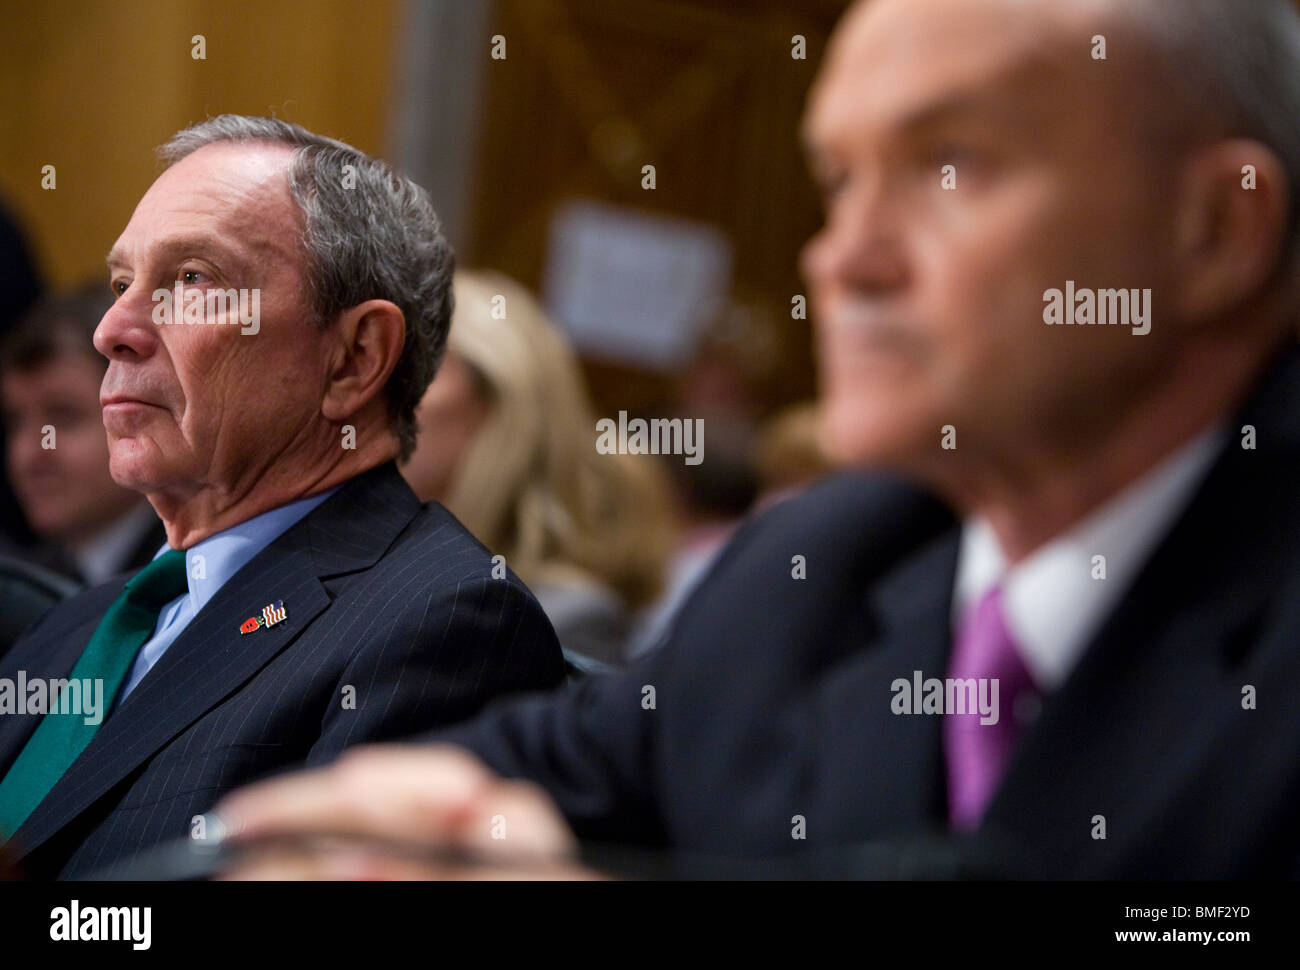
860,436
131,468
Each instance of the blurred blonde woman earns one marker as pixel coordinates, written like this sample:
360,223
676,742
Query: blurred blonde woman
508,443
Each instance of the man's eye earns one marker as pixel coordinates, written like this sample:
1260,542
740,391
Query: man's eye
952,153
118,287
188,273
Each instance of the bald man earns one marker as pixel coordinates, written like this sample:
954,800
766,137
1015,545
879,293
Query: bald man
1053,623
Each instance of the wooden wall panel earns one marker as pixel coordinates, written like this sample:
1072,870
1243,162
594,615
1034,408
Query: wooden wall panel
92,88
706,91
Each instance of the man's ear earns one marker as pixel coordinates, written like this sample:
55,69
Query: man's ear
1230,222
367,343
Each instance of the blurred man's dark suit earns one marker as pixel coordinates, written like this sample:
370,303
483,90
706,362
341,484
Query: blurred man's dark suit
772,699
387,601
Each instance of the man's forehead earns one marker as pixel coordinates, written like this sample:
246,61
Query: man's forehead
893,58
221,188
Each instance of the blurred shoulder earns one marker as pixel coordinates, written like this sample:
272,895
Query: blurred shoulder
858,511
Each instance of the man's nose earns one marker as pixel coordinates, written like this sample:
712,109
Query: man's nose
861,246
127,330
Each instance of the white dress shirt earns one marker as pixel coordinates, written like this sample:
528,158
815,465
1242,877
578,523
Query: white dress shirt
1053,605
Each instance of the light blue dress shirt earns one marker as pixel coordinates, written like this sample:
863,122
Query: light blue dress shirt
221,555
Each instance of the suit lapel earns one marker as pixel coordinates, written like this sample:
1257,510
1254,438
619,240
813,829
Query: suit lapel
882,771
211,659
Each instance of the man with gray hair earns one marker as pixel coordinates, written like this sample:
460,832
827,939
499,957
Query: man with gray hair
281,302
1098,530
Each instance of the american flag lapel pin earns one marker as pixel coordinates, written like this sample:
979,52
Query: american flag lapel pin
273,614
270,616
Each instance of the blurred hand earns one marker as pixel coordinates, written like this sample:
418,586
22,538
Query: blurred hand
475,824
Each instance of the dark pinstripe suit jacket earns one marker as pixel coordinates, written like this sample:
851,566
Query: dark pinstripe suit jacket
384,596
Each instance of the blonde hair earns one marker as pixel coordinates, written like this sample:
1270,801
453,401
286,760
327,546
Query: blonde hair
789,449
531,485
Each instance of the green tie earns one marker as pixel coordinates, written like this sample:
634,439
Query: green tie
61,737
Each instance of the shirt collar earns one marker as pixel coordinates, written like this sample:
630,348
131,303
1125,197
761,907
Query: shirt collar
1053,603
210,563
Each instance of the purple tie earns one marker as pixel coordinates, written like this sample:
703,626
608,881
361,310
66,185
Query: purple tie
978,754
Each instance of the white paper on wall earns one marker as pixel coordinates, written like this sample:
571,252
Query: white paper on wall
633,286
